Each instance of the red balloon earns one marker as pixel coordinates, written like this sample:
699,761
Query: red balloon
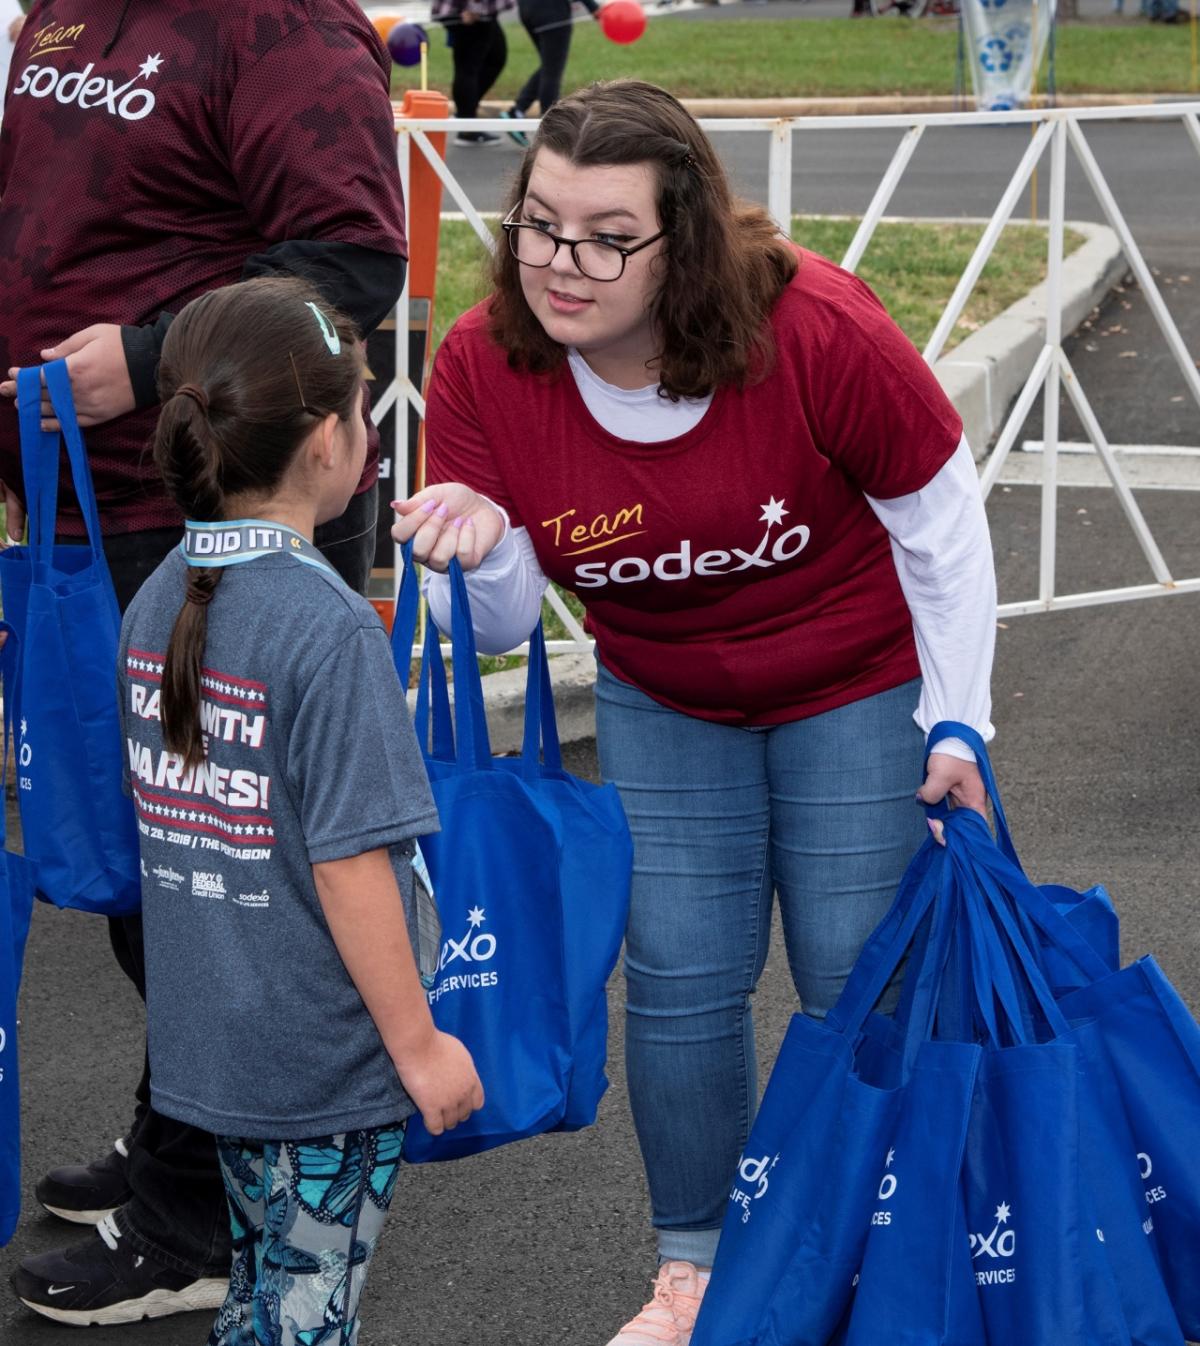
623,21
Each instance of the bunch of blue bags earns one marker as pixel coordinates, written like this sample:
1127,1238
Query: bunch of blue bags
531,872
80,834
1010,1156
59,664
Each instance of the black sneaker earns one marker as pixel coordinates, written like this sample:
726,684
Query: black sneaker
476,138
86,1193
102,1280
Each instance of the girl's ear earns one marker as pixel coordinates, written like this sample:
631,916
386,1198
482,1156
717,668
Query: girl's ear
324,443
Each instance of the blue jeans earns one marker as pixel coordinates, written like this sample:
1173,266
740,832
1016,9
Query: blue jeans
820,811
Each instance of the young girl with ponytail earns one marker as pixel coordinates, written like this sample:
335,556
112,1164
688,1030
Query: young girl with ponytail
279,790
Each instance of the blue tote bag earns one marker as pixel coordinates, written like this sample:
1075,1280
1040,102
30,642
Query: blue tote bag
16,903
1140,1048
819,1173
79,828
1052,1124
595,871
504,869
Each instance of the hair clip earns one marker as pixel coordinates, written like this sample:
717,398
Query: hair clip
312,411
332,340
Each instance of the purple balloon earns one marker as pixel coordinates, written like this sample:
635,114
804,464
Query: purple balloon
404,42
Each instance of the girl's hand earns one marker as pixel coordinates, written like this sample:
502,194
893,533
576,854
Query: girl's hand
960,780
447,521
441,1080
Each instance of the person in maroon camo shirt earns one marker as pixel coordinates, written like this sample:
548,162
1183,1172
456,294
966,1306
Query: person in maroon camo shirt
151,152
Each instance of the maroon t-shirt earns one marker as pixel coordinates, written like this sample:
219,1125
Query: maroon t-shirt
736,573
134,181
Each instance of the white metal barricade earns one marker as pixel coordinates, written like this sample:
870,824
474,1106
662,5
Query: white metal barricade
1052,130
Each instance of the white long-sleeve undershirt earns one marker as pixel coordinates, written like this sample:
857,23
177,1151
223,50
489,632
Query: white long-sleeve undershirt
940,547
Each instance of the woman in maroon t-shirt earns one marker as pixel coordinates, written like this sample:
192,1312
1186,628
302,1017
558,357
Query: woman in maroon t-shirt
758,490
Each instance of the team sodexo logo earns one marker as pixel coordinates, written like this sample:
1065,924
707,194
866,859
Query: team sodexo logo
130,101
682,562
753,1182
474,951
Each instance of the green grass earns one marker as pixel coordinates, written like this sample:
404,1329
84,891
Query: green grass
912,267
743,58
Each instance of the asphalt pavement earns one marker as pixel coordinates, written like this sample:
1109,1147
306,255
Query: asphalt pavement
1097,749
547,1241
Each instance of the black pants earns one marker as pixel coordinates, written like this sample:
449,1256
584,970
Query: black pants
553,43
178,1214
480,51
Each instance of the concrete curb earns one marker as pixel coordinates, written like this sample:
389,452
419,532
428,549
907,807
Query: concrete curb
983,373
981,376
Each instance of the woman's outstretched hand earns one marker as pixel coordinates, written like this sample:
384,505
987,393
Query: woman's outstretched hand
953,777
447,521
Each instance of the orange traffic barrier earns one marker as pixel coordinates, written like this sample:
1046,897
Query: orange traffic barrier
423,210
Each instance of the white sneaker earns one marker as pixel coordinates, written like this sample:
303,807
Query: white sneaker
669,1317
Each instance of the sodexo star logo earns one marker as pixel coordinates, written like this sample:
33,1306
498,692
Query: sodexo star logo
998,1246
129,101
888,1187
476,948
24,756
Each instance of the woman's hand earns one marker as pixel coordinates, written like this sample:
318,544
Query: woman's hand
447,521
947,775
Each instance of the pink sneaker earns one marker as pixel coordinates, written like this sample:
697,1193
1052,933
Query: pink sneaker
669,1317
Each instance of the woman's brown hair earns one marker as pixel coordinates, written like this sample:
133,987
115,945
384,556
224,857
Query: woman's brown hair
724,265
246,373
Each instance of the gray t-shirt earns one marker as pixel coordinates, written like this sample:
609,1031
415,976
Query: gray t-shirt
255,1027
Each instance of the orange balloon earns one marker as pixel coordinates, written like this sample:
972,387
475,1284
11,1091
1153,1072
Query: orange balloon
384,25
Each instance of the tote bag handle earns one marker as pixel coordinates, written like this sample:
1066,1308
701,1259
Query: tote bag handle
973,848
540,745
41,475
404,633
953,729
472,749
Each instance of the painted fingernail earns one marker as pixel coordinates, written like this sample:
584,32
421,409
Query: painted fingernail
442,511
458,523
429,506
395,504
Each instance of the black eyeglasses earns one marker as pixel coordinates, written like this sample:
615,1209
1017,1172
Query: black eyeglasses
533,246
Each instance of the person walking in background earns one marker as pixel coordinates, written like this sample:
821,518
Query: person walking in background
479,49
549,24
764,500
223,150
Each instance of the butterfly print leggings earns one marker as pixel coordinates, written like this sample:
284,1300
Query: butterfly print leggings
305,1218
